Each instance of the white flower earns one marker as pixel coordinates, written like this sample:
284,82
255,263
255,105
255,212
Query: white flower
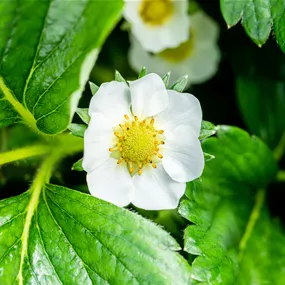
142,145
158,24
198,57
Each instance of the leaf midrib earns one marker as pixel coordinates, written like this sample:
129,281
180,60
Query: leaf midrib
22,111
32,69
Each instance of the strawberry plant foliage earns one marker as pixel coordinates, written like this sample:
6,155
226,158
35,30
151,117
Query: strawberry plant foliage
258,18
65,246
55,235
47,50
220,204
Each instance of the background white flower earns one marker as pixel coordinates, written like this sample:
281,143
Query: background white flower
142,145
198,57
158,24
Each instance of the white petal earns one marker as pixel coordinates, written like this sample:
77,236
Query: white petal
112,100
183,157
158,38
155,190
111,182
203,64
183,109
149,96
139,57
97,140
206,30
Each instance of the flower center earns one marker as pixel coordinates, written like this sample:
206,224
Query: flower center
179,53
156,12
137,144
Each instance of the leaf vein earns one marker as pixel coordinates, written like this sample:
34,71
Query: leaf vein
70,245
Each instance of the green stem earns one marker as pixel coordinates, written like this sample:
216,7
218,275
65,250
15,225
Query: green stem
280,148
255,213
22,153
66,145
41,178
281,176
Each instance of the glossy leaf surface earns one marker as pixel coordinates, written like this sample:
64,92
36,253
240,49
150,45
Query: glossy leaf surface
103,244
47,50
258,18
220,202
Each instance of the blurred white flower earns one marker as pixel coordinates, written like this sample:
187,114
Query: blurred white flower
158,24
198,57
142,145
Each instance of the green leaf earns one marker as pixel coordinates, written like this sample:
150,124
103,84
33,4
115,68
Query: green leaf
207,130
94,88
262,261
78,165
142,72
180,84
83,114
262,104
73,238
258,17
47,50
220,202
77,130
119,77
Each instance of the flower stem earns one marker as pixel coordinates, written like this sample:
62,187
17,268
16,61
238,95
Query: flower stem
255,213
67,145
22,153
280,148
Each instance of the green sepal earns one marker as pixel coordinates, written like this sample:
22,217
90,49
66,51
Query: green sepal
126,26
208,157
77,129
119,77
78,165
207,130
94,88
83,114
143,72
166,78
180,84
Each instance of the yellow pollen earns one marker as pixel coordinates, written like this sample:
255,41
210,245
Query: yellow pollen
138,144
156,12
180,53
126,117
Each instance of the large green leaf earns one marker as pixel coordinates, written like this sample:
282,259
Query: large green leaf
262,104
47,50
263,259
258,18
220,202
260,91
49,239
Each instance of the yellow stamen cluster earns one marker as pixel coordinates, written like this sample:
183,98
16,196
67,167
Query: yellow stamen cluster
156,12
180,53
137,143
